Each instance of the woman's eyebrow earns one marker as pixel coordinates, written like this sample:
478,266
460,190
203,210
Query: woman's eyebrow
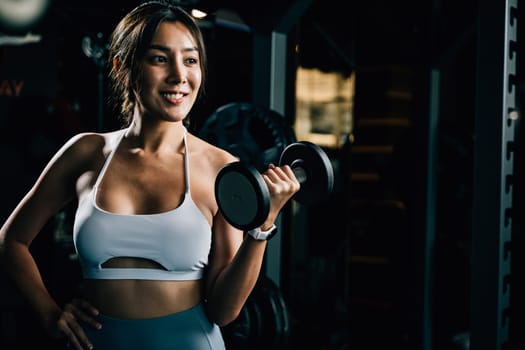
159,47
167,49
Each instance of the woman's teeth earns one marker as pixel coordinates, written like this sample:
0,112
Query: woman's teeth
172,96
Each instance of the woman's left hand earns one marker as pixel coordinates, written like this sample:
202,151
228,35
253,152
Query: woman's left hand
282,185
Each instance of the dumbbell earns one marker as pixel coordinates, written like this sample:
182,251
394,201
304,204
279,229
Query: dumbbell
243,196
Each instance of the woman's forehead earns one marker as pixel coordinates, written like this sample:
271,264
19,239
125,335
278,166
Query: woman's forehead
174,35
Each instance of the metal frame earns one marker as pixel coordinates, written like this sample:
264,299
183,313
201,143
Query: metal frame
493,165
270,82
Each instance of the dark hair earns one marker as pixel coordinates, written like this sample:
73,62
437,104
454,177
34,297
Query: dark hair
129,42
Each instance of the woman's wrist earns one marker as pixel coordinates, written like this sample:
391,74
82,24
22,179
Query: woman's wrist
260,234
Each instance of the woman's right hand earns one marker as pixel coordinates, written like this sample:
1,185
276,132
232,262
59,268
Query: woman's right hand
67,323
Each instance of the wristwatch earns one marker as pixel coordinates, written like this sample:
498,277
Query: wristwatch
260,235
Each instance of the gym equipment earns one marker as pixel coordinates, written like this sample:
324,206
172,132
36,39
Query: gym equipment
255,134
242,194
96,49
263,322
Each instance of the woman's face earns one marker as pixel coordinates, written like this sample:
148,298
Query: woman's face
171,73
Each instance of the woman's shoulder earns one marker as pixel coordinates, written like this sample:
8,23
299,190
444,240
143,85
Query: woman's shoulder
212,153
87,148
88,142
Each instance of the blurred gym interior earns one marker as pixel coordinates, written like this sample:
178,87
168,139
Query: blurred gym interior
416,103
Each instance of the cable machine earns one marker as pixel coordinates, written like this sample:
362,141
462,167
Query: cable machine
493,174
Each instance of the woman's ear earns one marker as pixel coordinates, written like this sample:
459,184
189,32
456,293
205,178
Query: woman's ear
115,63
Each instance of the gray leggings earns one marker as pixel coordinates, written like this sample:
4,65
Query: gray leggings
186,330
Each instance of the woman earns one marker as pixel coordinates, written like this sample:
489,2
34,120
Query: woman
162,267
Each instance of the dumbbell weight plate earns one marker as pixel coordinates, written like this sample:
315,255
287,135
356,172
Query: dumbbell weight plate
256,135
242,195
318,170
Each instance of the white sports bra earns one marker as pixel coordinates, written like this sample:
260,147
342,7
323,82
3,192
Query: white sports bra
179,240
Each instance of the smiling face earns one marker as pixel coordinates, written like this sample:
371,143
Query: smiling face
149,57
171,73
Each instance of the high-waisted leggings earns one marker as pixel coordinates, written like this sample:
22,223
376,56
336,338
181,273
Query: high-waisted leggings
186,330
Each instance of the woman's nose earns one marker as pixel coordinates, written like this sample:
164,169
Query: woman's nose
177,73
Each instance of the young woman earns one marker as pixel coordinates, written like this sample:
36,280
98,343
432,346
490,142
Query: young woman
162,267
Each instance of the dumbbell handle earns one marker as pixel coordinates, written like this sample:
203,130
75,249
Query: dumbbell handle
299,171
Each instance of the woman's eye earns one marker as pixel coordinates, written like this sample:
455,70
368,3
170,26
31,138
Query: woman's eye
191,60
158,59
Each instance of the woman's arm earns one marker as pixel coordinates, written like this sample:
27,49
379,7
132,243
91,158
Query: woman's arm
236,261
53,189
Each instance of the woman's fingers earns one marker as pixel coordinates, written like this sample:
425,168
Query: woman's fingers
281,183
68,322
82,310
68,325
282,175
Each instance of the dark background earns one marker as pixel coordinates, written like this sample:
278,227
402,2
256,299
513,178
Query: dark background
349,284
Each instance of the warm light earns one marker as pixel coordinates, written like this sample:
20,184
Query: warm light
21,14
198,14
324,106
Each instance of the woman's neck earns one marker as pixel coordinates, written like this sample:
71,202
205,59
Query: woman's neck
155,137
